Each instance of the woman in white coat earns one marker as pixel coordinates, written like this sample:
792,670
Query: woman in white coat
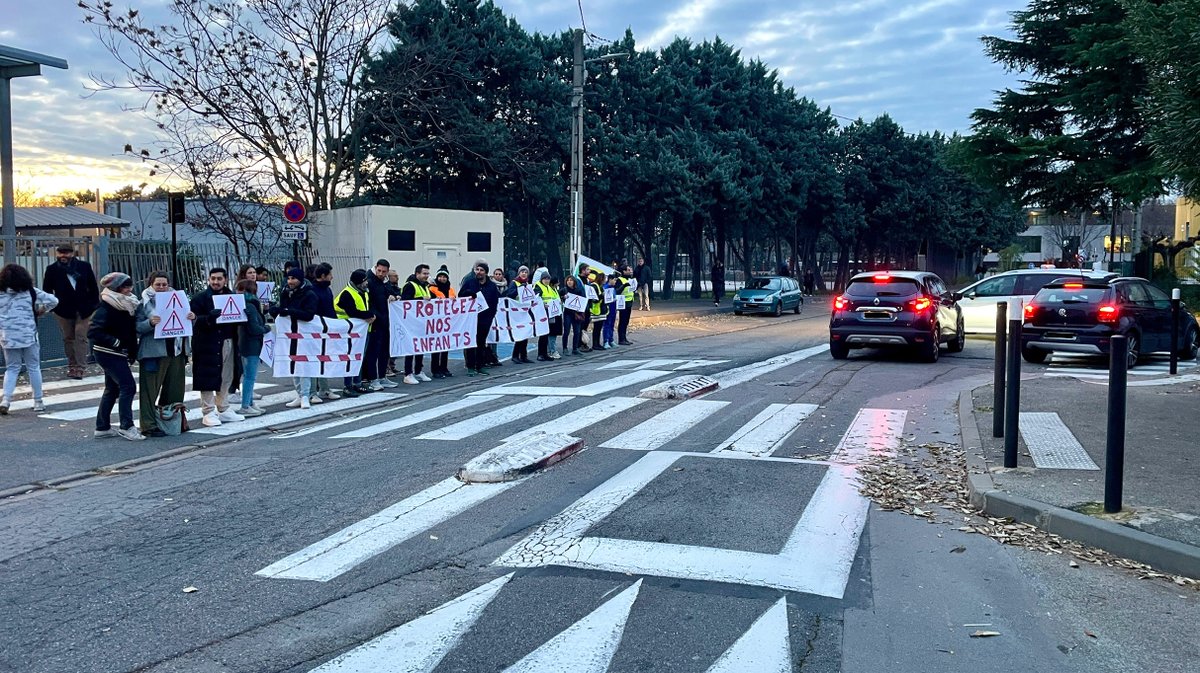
20,306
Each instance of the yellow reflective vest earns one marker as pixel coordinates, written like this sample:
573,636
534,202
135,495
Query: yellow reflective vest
360,301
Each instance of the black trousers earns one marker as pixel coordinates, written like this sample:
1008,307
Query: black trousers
439,363
598,333
623,321
521,350
376,365
409,362
544,346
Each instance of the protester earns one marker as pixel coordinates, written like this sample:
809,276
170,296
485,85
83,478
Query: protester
380,293
717,275
482,286
441,289
520,348
112,334
322,287
21,304
610,317
500,281
250,344
539,272
625,288
73,283
353,302
644,275
598,311
214,351
299,302
810,282
162,363
548,343
393,283
573,321
416,288
245,272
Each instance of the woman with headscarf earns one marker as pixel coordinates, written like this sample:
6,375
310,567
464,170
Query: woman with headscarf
114,341
441,289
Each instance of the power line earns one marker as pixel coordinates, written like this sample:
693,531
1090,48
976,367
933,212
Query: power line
582,20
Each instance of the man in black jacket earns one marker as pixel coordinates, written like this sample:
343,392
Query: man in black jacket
644,275
380,294
73,282
214,350
479,284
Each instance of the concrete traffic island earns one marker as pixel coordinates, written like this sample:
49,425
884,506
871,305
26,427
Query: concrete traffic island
509,462
681,388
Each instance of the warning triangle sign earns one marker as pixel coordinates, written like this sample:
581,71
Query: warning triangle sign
173,324
231,309
175,303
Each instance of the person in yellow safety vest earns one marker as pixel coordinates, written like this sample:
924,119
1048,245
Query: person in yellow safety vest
625,289
520,348
352,302
598,309
441,289
548,344
416,288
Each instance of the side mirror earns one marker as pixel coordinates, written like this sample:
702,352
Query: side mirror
957,296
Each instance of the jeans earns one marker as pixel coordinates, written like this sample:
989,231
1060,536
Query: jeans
249,376
376,366
119,388
29,356
75,341
572,327
303,386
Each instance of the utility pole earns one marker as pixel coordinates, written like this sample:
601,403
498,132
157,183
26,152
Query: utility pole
577,152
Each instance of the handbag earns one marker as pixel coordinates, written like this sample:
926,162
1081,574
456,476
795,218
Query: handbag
171,419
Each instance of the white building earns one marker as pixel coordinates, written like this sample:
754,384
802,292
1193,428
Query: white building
256,227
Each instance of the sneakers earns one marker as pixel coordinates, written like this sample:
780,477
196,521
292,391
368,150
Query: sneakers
3,408
294,404
625,343
211,420
330,395
423,377
556,355
388,383
130,433
306,403
38,407
410,380
350,392
251,411
374,386
315,399
104,434
230,416
257,396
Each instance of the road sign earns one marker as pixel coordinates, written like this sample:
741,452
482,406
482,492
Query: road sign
294,211
294,235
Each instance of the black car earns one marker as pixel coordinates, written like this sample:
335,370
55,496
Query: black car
1075,315
910,309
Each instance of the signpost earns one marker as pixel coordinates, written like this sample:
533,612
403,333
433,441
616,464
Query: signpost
295,228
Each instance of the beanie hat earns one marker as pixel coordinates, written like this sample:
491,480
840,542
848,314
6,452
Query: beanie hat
296,272
116,280
443,272
483,265
523,269
358,276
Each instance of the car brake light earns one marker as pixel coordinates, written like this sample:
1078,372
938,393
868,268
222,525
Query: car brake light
1073,286
840,303
920,304
1029,310
882,278
1108,313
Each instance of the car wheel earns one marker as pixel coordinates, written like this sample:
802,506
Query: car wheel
1135,352
737,313
798,305
778,308
1190,345
838,350
931,350
1035,355
959,342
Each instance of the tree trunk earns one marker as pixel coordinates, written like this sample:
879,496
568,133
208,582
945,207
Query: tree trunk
843,267
668,289
697,255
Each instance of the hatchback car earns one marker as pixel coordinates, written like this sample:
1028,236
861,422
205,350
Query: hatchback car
979,299
1082,316
769,294
909,309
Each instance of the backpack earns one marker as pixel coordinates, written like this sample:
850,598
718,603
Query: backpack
171,419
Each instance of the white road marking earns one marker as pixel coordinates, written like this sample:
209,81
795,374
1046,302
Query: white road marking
738,375
664,427
93,396
1051,443
641,364
420,645
816,558
288,415
345,549
588,645
764,433
493,419
873,432
693,364
333,424
588,390
85,413
573,422
48,386
431,414
764,648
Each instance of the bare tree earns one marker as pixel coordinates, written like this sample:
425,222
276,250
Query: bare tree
263,88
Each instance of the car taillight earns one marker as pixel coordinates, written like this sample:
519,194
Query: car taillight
881,278
840,303
1108,313
1073,286
1030,309
920,304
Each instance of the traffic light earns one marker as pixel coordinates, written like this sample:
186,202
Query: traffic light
175,210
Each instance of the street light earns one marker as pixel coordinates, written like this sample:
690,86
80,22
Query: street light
577,144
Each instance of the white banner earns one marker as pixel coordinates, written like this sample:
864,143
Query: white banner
172,308
574,302
554,308
513,323
432,325
231,306
541,318
322,348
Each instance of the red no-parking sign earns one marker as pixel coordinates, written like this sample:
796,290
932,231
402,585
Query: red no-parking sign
295,228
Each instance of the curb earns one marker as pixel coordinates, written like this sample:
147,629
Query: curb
651,320
509,462
1165,555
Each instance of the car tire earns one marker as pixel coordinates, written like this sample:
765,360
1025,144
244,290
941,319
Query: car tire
799,305
931,350
1134,343
778,308
1035,355
738,313
1190,345
959,342
839,350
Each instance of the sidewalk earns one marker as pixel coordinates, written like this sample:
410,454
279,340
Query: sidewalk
1160,520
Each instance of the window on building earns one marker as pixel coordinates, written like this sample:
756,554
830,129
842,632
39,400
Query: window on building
402,239
479,241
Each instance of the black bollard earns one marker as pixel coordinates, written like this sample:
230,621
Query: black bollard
1175,306
1114,453
998,380
1012,396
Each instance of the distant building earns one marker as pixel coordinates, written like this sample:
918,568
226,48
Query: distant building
1085,239
256,227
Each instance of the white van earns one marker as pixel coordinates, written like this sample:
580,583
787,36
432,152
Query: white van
979,299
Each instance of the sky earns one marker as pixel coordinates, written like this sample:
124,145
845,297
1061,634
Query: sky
919,61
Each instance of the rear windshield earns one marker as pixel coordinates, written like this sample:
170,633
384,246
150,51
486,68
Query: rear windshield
1071,295
763,284
896,287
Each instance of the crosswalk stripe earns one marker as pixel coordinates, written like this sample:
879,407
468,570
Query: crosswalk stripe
1051,443
739,375
587,390
588,645
493,419
345,549
579,419
417,418
287,415
420,645
93,395
693,364
764,648
48,386
641,364
664,427
874,432
83,413
766,431
312,430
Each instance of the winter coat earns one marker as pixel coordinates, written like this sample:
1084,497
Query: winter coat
74,301
250,333
409,291
300,303
644,275
207,339
378,293
490,293
113,331
150,348
18,323
324,292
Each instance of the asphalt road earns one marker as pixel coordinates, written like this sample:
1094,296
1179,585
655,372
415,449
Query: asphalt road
723,533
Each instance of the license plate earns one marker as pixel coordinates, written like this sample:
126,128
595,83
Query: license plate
876,315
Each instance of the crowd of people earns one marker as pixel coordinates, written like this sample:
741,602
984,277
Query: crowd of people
107,319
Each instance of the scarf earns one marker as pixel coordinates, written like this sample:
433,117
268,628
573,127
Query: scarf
502,287
121,302
444,288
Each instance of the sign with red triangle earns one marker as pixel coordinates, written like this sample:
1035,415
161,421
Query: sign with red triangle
232,306
172,309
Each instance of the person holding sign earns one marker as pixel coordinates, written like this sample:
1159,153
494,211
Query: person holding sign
547,343
352,302
299,303
250,345
416,288
480,286
520,348
214,348
574,312
625,300
322,285
598,309
610,303
162,361
441,289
